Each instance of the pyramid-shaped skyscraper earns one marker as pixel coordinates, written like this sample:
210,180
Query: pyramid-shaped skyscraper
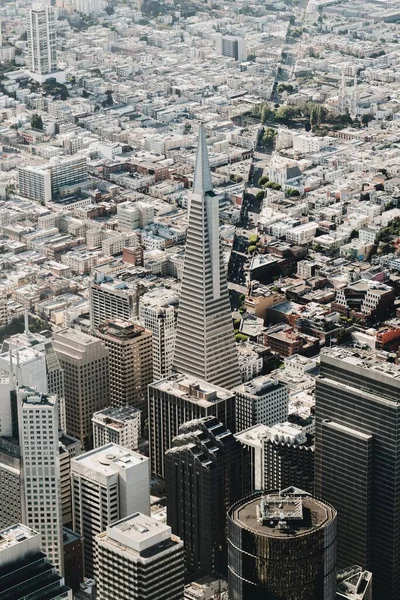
205,345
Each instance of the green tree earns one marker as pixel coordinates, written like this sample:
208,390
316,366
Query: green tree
269,136
10,190
260,196
241,337
109,100
285,114
266,114
263,180
36,122
365,119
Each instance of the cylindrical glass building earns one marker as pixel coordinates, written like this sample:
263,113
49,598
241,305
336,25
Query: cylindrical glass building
282,546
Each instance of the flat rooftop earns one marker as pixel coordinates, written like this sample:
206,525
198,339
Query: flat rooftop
193,389
22,355
108,459
138,534
117,413
75,335
361,358
11,536
122,329
260,386
287,514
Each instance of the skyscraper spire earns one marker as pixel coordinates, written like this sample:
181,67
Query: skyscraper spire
205,345
202,175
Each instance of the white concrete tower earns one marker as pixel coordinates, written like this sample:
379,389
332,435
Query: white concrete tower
205,345
38,437
354,102
42,41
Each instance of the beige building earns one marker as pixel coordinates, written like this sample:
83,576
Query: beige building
85,362
130,349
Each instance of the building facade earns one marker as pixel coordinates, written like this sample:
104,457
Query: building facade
282,544
231,46
34,183
38,438
109,299
25,569
119,425
179,399
281,456
357,460
139,559
108,484
42,40
158,313
85,361
67,172
205,344
130,349
206,470
262,400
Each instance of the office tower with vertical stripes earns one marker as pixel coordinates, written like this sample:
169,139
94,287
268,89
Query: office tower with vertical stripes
205,345
357,460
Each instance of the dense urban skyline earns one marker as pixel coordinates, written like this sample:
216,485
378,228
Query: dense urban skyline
199,299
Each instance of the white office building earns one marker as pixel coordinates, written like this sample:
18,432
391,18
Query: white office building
133,215
89,7
138,558
232,46
42,43
302,234
34,183
111,298
39,447
119,425
262,400
108,484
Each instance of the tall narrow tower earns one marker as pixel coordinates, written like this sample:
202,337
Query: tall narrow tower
42,40
205,346
354,103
